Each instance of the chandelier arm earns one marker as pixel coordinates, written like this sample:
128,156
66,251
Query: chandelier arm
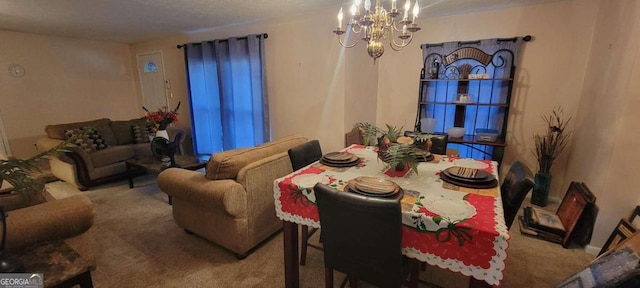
353,28
389,21
347,46
397,47
395,27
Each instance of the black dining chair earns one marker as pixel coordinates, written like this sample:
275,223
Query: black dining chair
301,156
439,141
515,186
362,238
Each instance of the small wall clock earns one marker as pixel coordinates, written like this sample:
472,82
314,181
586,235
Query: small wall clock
16,70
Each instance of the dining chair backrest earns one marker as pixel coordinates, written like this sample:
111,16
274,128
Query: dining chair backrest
305,154
439,141
515,186
353,137
362,236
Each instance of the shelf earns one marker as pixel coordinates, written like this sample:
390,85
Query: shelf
466,80
491,96
464,104
471,139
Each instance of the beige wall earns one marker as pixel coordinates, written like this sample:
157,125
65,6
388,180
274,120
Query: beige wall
549,74
319,89
305,74
605,154
308,73
66,80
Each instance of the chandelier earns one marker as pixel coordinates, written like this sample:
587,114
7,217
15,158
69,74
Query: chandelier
377,24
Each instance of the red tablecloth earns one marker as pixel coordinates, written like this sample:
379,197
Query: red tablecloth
456,228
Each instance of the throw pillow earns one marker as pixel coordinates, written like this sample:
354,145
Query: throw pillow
140,134
90,141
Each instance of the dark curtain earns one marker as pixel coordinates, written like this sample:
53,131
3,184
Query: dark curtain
227,93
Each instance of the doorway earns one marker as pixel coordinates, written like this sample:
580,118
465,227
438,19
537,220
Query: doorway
4,140
153,82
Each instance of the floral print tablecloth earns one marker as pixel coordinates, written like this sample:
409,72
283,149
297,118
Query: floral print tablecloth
453,227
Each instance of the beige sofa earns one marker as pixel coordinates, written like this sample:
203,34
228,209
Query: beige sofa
69,218
232,203
85,169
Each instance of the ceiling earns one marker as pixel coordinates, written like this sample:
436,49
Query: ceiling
131,21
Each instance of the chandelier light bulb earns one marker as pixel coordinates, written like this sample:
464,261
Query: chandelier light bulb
416,10
367,5
354,9
407,6
340,18
393,4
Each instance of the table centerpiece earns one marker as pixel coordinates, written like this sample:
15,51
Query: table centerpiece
399,152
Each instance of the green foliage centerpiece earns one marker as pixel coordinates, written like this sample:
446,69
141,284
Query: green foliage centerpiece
17,172
394,149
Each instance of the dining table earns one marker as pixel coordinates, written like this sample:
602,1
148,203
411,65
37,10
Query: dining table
446,225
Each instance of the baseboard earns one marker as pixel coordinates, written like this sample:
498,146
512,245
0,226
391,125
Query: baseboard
593,250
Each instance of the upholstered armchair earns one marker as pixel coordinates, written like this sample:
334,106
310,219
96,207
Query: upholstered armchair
232,203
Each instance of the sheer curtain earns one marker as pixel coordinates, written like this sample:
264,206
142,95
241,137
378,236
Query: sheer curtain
227,93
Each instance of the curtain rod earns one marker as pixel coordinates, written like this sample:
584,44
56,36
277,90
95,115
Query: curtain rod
263,35
526,38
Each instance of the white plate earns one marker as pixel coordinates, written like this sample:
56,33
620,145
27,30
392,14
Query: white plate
309,180
470,163
452,209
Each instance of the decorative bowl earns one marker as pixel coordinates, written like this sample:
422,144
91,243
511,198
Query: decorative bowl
456,132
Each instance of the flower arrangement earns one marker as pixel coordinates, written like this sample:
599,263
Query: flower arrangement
551,144
161,118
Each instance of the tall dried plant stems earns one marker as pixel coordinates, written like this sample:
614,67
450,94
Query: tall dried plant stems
550,145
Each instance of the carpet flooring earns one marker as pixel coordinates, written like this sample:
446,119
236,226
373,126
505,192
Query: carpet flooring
137,244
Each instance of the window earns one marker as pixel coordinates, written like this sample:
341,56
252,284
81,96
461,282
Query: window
228,100
150,67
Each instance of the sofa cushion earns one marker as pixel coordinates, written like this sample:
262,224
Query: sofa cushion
140,134
57,131
90,141
225,165
122,129
111,155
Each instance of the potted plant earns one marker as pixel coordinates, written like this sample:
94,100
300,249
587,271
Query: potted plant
548,147
17,172
394,149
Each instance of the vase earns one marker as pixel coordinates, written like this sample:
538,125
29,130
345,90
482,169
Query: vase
163,134
541,187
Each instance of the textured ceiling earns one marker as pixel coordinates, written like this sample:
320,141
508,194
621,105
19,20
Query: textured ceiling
131,21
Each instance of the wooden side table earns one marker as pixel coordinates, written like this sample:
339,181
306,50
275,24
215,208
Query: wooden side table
60,265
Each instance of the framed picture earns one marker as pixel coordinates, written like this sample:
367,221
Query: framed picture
635,217
570,210
623,231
